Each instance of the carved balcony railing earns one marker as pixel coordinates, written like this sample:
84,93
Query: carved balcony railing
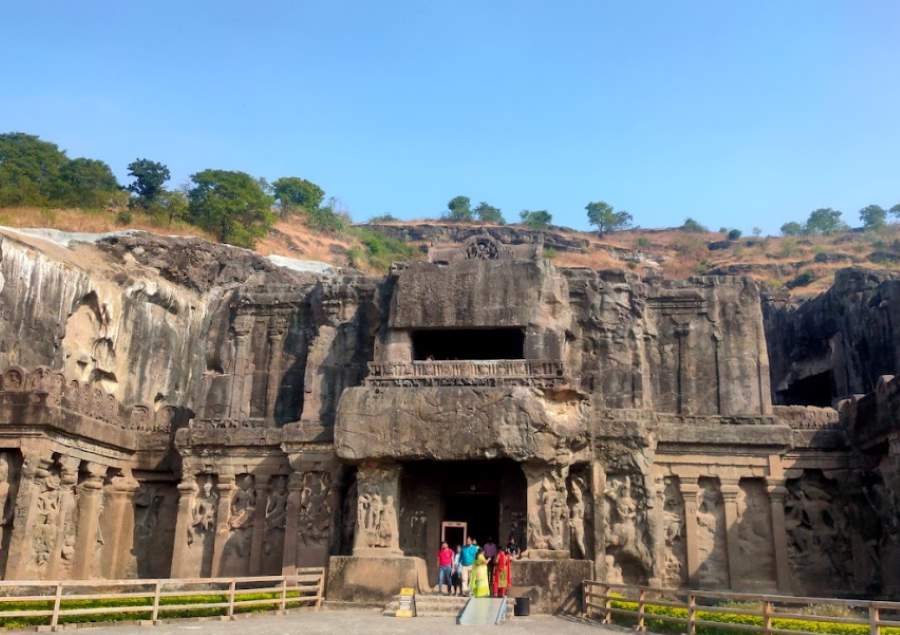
492,372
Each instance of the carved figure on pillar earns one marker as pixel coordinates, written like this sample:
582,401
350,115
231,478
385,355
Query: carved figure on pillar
47,519
276,514
377,524
240,519
203,511
578,516
316,510
627,552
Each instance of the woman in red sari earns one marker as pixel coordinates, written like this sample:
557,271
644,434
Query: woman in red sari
502,573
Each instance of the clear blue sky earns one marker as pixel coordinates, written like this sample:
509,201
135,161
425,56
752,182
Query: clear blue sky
735,113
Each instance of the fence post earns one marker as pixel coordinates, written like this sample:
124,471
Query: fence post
57,600
585,607
321,591
692,614
874,626
767,610
607,604
231,585
154,616
640,624
283,593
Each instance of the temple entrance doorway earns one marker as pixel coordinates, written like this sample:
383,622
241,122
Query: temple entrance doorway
480,513
454,499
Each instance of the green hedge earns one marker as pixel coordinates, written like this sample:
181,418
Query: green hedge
47,605
664,626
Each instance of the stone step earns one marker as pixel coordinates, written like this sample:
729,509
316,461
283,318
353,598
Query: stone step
428,605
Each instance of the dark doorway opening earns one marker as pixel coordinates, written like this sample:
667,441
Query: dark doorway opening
480,512
446,344
815,390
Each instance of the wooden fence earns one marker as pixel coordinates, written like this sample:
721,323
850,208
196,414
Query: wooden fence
151,600
746,612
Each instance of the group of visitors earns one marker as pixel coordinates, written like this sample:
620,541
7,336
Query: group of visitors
477,571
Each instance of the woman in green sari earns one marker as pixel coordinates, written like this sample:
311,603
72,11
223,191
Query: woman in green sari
478,580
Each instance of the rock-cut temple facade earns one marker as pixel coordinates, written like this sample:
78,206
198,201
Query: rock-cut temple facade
170,407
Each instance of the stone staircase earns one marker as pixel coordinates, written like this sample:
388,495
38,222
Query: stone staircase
431,605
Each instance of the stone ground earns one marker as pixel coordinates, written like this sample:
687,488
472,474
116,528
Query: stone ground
351,622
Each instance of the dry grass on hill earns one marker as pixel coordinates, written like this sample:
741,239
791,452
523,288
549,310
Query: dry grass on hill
800,265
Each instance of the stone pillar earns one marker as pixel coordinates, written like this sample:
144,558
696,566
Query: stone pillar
187,490
689,490
254,566
598,486
63,553
291,525
225,489
777,492
241,380
277,329
31,481
730,489
377,511
120,507
90,501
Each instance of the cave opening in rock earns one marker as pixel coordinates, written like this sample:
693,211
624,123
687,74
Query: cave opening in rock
454,499
447,344
814,390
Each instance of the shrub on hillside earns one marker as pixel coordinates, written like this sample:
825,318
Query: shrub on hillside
690,225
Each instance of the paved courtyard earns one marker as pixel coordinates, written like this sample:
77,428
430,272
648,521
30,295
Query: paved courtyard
351,622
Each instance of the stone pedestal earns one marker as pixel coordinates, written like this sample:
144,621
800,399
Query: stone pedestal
554,586
90,501
373,579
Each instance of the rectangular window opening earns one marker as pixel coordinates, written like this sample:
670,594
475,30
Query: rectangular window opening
468,344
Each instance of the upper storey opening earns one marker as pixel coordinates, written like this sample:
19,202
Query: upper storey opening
468,344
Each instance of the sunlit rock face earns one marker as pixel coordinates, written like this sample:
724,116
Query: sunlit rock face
172,407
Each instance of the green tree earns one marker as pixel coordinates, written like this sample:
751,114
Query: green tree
873,216
536,219
895,210
29,169
792,229
149,179
607,219
230,204
171,206
383,218
690,225
824,221
85,183
294,194
489,214
460,209
734,234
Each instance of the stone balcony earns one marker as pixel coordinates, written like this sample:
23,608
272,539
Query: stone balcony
494,372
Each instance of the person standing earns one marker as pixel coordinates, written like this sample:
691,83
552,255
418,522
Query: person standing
455,573
490,553
445,566
512,547
480,583
502,574
466,560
